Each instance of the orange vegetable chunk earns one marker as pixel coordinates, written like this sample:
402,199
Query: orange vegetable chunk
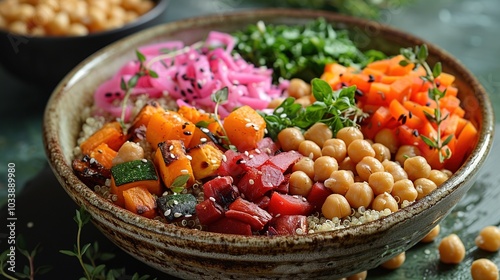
110,133
244,128
169,125
140,201
104,155
172,162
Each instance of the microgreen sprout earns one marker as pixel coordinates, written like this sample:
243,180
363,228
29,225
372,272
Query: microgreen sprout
418,56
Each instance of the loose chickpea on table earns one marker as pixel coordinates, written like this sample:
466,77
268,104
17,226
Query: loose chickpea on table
68,17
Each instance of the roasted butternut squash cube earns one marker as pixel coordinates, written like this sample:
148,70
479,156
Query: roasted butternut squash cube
172,162
169,125
206,159
140,201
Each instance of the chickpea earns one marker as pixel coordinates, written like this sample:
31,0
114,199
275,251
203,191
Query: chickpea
306,165
406,151
387,138
396,170
381,182
395,262
300,183
484,269
323,167
304,101
359,194
78,29
339,181
381,152
358,276
59,24
18,27
349,134
424,187
367,166
298,88
358,149
129,151
309,149
451,249
404,190
335,148
348,164
385,201
431,235
290,138
438,177
43,14
318,133
447,172
417,167
336,205
25,12
273,104
3,22
488,239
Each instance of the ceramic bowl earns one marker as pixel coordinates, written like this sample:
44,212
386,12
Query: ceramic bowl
195,254
44,61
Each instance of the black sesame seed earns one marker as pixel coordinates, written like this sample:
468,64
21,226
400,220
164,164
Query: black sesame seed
185,77
189,90
183,93
359,92
187,132
371,79
108,94
415,133
199,85
410,115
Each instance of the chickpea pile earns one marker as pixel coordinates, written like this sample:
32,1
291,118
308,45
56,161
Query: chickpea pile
68,17
360,173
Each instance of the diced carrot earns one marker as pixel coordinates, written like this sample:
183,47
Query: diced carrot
140,201
445,79
111,133
428,130
331,78
395,69
466,141
417,109
374,73
389,79
378,94
450,124
380,65
335,68
408,136
400,89
169,125
459,112
419,85
244,128
451,90
400,113
104,155
377,121
449,102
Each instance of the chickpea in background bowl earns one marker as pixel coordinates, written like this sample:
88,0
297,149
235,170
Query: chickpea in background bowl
69,17
42,40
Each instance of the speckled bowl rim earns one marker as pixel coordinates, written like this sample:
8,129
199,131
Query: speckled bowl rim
83,194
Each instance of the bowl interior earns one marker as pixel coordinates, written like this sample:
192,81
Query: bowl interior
366,245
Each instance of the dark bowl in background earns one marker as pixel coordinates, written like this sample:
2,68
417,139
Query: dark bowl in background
44,61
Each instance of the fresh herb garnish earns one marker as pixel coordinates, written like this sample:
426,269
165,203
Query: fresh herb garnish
127,86
418,56
337,109
179,183
219,97
299,51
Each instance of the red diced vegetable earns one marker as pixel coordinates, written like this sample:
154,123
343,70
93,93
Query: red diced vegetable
268,146
288,225
318,195
209,211
284,187
252,185
284,204
221,189
286,159
255,212
230,226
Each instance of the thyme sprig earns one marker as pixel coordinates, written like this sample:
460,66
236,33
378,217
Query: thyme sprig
128,86
418,56
91,253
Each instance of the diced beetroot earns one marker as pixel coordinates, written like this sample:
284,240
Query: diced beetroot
318,195
221,189
254,211
256,159
288,225
271,175
286,159
267,146
230,226
208,212
252,186
253,221
284,186
262,202
284,204
232,166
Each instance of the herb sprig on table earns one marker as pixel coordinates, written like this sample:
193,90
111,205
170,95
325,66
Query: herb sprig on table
300,51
